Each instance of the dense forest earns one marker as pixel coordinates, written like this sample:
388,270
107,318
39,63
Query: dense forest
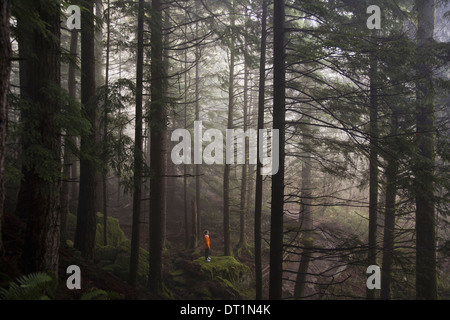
310,139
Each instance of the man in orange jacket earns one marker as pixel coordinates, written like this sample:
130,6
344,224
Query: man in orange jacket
206,245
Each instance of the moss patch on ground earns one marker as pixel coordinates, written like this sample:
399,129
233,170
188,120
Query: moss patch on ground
221,278
115,256
223,267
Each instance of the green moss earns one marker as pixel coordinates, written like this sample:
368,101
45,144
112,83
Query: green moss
115,235
69,243
224,267
244,249
108,253
204,293
71,220
122,260
115,257
229,287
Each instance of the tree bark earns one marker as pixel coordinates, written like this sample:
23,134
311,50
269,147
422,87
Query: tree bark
5,70
425,204
227,251
138,152
105,128
389,216
194,216
69,156
87,195
41,245
197,167
306,224
157,125
185,184
244,185
279,97
373,167
258,183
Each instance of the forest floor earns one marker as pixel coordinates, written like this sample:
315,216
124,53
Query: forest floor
335,272
93,277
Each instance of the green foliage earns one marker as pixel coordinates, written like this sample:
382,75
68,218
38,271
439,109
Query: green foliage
95,295
225,267
34,286
115,234
115,257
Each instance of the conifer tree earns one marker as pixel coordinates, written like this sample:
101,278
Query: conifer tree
86,213
41,148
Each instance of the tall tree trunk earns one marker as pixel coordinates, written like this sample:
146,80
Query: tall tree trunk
157,125
74,187
138,152
279,97
227,251
5,70
185,199
87,195
424,173
105,128
40,252
389,215
194,219
258,183
69,156
197,167
99,79
306,223
373,167
24,36
164,131
244,185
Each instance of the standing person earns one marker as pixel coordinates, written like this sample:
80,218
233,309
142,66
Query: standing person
206,245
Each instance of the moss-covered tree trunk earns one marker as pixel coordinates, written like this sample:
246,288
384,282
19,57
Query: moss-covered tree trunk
41,165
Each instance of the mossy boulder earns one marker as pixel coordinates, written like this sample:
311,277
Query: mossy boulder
124,254
223,267
115,235
106,253
221,278
115,256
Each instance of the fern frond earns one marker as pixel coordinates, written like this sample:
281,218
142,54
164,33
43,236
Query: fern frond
32,286
95,295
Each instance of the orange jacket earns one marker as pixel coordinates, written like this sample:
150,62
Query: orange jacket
206,242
